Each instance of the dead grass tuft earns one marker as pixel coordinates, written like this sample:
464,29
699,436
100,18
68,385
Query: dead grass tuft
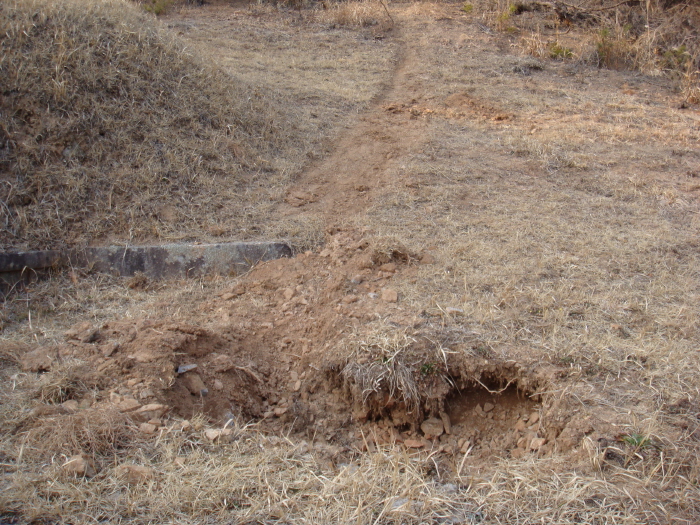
356,13
381,362
63,383
101,434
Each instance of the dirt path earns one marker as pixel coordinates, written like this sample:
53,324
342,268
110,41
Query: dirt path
362,165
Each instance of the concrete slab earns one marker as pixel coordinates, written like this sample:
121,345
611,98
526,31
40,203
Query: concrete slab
157,262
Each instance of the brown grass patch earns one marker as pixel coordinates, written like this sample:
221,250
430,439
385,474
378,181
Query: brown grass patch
561,241
112,129
655,37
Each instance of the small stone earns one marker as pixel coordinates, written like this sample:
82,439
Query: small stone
133,382
357,279
129,404
478,410
427,259
520,425
212,434
297,386
464,447
389,295
288,293
109,349
432,427
534,418
388,267
115,398
79,466
537,443
517,453
414,443
218,385
280,411
145,394
193,383
294,375
446,422
135,474
268,414
155,422
83,332
488,407
373,295
150,411
39,360
349,299
71,405
148,428
186,368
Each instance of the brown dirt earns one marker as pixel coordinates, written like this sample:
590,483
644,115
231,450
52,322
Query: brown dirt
507,291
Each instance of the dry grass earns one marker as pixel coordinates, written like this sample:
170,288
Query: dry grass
362,13
112,125
253,478
655,37
564,237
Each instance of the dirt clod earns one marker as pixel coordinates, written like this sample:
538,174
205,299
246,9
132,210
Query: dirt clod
79,465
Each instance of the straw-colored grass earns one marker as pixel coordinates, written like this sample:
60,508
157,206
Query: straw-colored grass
655,36
113,129
253,478
564,241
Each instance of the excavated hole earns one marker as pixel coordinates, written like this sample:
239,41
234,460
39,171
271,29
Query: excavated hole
492,418
480,409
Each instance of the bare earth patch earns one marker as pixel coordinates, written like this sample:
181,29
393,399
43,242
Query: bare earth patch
501,325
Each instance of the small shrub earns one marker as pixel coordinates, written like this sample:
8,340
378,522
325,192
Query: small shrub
638,441
158,7
467,7
613,49
677,58
559,52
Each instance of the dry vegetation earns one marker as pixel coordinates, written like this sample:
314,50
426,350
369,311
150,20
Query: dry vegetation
537,215
114,131
657,37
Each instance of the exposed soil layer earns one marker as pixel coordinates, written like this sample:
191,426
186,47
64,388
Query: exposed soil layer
273,354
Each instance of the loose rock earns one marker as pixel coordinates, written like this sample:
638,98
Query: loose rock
148,428
389,295
129,404
193,383
135,474
79,466
537,443
432,427
446,422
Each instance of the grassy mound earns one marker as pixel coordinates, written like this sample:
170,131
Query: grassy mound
110,129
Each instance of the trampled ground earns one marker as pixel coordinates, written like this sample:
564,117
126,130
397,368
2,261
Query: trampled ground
492,316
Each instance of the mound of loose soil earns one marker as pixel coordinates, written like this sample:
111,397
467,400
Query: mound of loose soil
365,372
110,128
